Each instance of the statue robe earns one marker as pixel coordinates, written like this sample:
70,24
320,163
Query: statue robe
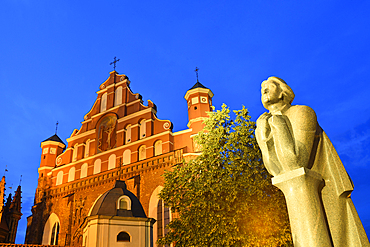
344,223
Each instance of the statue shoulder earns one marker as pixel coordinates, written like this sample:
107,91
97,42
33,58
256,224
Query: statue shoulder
304,116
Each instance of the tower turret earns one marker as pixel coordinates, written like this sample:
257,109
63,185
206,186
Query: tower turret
199,100
51,148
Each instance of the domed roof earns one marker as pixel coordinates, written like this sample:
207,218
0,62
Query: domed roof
107,203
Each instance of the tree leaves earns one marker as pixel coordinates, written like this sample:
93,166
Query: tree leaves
225,196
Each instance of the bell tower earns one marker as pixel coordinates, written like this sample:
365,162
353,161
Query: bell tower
199,100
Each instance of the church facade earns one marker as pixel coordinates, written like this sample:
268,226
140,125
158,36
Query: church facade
120,139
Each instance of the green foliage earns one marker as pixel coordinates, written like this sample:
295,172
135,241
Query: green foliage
225,197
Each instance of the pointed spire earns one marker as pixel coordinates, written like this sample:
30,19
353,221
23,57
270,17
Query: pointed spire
7,203
16,203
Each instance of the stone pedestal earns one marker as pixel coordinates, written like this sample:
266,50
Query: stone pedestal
307,218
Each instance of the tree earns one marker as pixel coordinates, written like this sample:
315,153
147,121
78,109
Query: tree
224,197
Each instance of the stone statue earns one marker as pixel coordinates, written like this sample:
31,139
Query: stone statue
307,169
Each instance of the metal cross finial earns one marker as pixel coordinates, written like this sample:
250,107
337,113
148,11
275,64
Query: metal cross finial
56,127
196,71
114,63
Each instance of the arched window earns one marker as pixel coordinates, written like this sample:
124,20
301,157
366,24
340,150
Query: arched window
142,129
112,162
124,203
158,147
71,174
83,170
97,166
74,155
163,218
59,178
51,230
123,237
103,103
126,157
142,152
128,134
118,96
54,234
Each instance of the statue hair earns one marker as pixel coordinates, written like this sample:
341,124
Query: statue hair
288,94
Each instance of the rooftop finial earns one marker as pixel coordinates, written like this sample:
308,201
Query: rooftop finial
56,127
20,181
114,63
196,71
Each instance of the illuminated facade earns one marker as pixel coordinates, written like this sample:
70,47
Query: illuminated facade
120,139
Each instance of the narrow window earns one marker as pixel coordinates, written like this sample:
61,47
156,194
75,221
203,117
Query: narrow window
118,96
87,148
142,152
128,134
163,218
158,147
159,220
103,103
71,174
83,170
127,157
59,178
74,155
142,129
97,166
112,162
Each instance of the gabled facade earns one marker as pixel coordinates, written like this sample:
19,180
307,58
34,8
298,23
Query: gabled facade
119,139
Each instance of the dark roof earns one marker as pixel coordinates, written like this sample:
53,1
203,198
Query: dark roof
107,203
198,84
54,138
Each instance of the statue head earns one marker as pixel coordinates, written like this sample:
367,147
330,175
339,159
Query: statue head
275,90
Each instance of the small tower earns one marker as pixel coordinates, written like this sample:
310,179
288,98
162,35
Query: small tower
14,215
51,148
199,100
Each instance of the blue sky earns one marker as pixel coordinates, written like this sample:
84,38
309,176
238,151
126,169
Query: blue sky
55,54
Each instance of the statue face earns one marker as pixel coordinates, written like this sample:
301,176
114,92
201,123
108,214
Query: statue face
270,93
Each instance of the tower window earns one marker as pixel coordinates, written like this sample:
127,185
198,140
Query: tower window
123,237
195,107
